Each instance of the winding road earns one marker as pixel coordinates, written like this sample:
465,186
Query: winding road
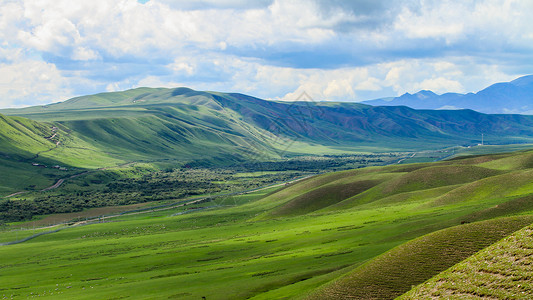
149,209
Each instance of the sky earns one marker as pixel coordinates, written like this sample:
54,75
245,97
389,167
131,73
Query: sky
333,50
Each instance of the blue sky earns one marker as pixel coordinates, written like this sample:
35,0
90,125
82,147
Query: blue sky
51,50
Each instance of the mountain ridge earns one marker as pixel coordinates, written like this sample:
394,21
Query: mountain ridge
184,124
514,97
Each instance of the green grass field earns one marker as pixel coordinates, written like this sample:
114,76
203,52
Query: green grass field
398,270
501,271
357,225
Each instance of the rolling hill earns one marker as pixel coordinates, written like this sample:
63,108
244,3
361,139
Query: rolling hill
374,231
181,126
515,97
501,271
145,124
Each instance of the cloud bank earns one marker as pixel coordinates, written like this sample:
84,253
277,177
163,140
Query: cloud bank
334,50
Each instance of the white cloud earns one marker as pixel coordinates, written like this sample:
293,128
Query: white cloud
439,85
336,85
153,81
443,20
82,53
31,82
370,84
334,50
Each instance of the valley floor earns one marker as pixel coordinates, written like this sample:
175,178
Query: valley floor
324,233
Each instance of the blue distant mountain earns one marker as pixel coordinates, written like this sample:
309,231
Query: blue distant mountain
515,97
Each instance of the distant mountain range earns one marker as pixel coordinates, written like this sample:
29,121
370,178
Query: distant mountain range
515,97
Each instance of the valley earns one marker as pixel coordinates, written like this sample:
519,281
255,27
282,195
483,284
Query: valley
288,242
268,149
160,193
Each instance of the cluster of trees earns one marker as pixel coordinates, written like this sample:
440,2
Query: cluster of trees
138,186
317,163
156,186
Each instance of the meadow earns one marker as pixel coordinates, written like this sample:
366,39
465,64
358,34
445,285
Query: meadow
501,271
327,234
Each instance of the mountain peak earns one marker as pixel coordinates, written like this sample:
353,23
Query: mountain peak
425,94
523,81
500,98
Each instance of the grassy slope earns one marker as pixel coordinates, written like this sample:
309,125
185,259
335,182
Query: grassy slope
23,138
154,124
501,271
412,263
162,117
243,251
24,141
511,193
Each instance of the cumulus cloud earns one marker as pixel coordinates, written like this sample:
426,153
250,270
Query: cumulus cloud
31,82
333,50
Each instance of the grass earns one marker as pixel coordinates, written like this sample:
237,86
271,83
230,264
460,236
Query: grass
238,248
396,271
501,271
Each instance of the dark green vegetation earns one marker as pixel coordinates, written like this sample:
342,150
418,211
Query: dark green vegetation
143,182
305,238
502,271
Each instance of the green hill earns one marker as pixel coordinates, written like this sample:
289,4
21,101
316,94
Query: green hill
182,126
180,122
501,271
334,233
396,271
23,138
293,242
210,128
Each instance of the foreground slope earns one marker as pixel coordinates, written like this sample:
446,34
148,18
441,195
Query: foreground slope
501,271
267,249
391,274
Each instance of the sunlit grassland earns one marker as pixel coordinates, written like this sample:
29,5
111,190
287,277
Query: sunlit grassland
501,271
213,253
17,234
396,271
218,249
268,245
